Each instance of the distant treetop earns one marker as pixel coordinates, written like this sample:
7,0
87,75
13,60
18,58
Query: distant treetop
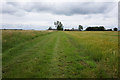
59,25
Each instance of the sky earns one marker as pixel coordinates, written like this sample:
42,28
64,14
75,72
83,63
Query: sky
40,15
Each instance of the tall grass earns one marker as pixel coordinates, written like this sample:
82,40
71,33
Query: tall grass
60,54
12,38
102,48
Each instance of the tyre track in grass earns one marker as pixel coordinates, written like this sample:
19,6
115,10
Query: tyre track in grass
69,64
19,64
82,61
63,62
24,41
57,55
54,69
67,61
18,50
88,57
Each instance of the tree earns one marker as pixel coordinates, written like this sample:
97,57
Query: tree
109,30
115,29
88,28
101,28
50,28
59,25
80,27
72,29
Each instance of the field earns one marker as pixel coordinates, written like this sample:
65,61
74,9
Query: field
59,54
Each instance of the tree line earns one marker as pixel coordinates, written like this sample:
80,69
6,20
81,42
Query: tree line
59,26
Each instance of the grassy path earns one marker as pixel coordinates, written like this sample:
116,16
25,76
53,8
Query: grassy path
60,55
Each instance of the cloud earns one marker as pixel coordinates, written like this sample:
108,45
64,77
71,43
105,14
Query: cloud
119,15
71,14
70,8
10,9
62,8
13,8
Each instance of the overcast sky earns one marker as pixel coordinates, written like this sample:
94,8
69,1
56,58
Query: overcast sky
41,15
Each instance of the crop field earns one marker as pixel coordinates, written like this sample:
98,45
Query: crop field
59,54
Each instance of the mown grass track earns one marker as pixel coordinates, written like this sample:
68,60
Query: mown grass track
59,54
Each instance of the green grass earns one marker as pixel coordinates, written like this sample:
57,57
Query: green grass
59,54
